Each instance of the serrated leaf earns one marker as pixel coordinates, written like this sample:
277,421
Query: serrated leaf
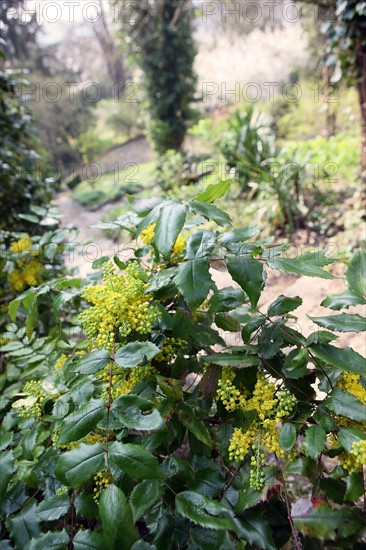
193,280
119,532
309,265
355,274
343,300
203,511
214,191
249,274
24,525
88,540
343,322
53,508
348,436
254,324
343,403
254,528
207,539
190,420
226,300
210,212
326,523
135,353
93,362
238,235
52,540
239,360
283,305
287,436
346,359
161,279
200,244
144,495
76,467
82,421
170,222
129,410
135,460
314,441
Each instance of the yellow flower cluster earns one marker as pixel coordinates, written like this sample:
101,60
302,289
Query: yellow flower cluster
27,273
351,383
90,439
231,397
241,441
123,380
170,349
257,462
29,406
22,245
356,458
102,481
118,304
148,233
60,362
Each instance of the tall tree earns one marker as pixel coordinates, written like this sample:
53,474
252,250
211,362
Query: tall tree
160,38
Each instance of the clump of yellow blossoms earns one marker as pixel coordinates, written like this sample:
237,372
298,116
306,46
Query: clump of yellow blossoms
169,349
102,481
119,304
351,383
148,233
22,245
356,458
29,406
270,406
123,380
27,271
60,362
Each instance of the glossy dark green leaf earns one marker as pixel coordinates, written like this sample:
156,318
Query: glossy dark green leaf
343,403
283,305
254,324
287,436
343,300
136,461
272,338
194,281
144,495
254,528
168,226
135,353
309,265
314,441
200,244
249,274
355,486
207,539
214,191
88,540
236,359
94,362
326,523
161,279
342,358
190,420
355,274
238,235
210,212
119,532
76,467
53,508
6,470
226,300
82,421
52,540
348,436
86,506
130,409
343,322
24,526
204,511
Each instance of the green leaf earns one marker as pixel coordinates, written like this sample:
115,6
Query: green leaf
94,362
144,495
238,235
343,403
326,523
24,526
204,511
194,281
254,528
254,324
129,410
189,419
135,353
161,279
200,244
52,540
287,436
214,191
168,226
343,300
249,274
355,274
88,540
6,470
82,421
207,539
119,532
136,461
238,359
348,436
342,322
342,358
309,265
226,299
355,488
86,506
283,305
210,212
53,508
76,467
314,441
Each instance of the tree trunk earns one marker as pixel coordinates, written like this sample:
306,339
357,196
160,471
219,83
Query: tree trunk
361,87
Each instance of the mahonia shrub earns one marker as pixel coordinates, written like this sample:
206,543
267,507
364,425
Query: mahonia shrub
140,426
